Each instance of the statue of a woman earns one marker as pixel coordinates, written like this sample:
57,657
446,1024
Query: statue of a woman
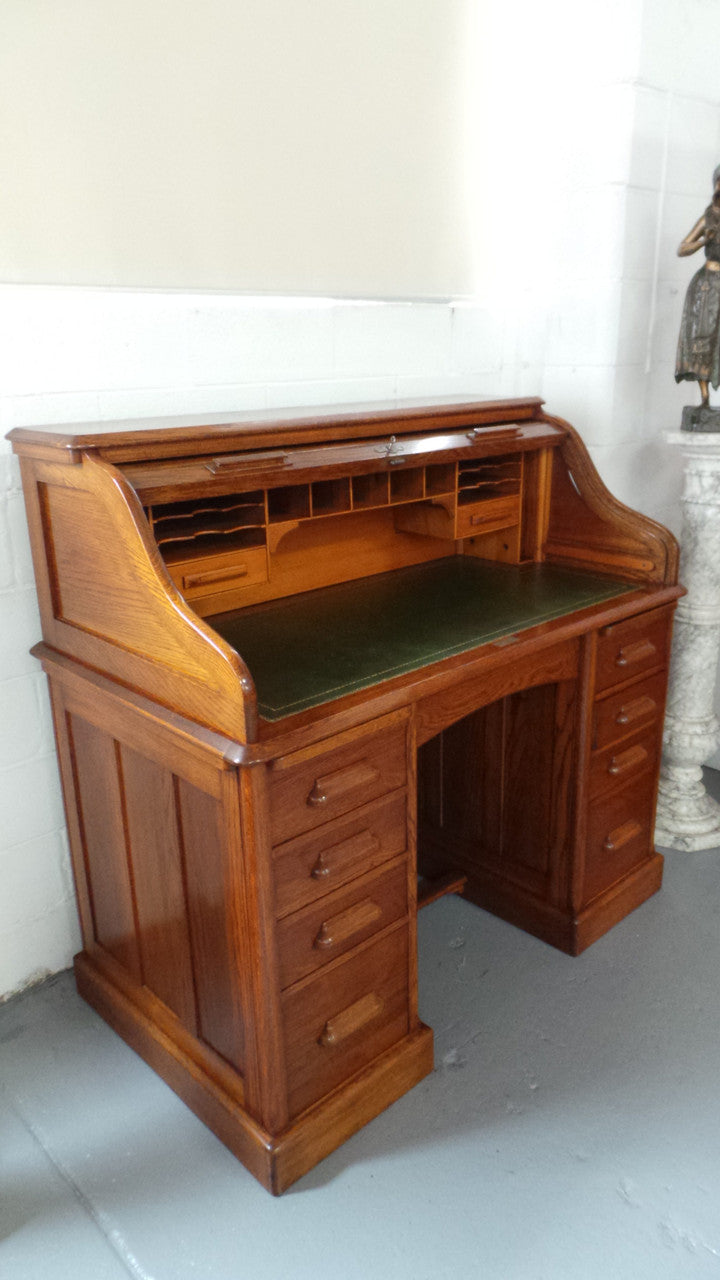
698,353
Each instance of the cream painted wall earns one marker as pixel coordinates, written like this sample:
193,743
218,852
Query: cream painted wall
293,146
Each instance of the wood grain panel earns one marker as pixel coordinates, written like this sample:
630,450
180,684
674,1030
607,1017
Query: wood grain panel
68,774
635,707
633,647
537,472
497,788
319,553
156,859
252,911
321,932
335,782
624,762
216,982
315,864
329,1037
528,779
486,516
590,528
83,569
260,429
107,600
619,836
460,785
98,783
511,670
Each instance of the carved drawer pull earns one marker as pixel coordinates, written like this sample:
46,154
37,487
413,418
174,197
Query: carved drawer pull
627,760
352,1019
636,710
637,652
215,575
621,836
339,928
344,854
334,785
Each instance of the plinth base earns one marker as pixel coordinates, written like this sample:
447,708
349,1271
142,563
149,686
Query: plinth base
276,1160
700,418
688,818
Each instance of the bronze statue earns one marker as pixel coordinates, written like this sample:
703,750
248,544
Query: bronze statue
698,353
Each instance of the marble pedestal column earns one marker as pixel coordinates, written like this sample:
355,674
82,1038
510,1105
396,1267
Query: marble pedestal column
687,818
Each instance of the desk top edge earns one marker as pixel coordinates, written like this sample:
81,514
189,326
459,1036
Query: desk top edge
189,433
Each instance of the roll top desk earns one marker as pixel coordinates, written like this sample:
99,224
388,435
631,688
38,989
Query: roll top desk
309,671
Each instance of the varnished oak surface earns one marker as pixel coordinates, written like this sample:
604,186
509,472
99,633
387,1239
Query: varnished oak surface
295,665
162,437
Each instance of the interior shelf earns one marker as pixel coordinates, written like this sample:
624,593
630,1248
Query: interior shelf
208,520
430,501
489,478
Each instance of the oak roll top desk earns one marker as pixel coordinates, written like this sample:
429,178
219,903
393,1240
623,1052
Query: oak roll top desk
309,671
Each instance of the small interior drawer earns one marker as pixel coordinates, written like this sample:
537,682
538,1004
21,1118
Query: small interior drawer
314,865
636,707
214,575
339,1020
619,837
334,780
486,516
310,938
624,763
627,649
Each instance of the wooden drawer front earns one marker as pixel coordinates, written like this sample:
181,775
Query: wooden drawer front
213,575
305,795
313,865
619,837
310,938
629,648
483,517
628,762
339,1020
637,707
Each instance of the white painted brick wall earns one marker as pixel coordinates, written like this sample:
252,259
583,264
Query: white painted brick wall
38,929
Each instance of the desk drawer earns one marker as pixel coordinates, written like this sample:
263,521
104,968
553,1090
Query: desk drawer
315,864
619,836
629,648
334,781
636,707
310,938
338,1021
624,763
485,516
214,575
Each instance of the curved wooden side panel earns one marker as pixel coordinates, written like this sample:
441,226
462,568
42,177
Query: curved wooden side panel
107,599
591,529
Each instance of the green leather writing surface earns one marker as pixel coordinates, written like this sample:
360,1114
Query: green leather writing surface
311,648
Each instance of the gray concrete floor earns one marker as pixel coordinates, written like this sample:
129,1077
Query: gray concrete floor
570,1131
